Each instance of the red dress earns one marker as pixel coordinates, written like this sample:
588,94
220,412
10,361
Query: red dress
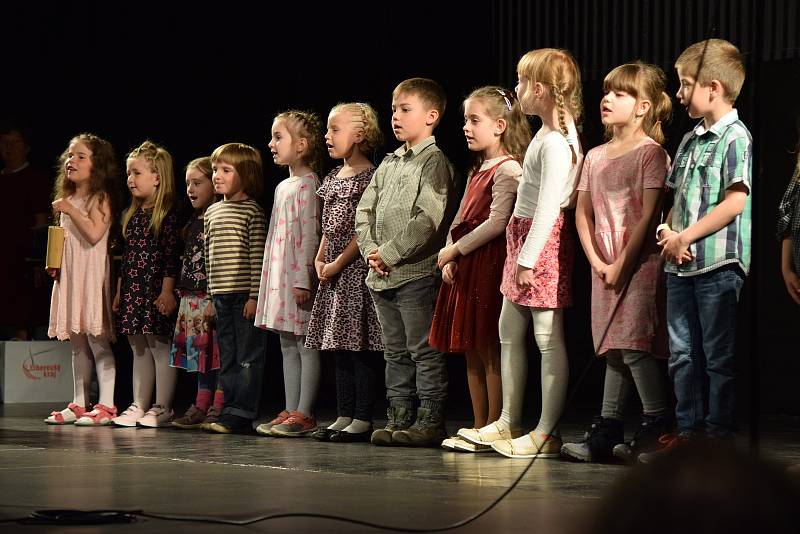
467,312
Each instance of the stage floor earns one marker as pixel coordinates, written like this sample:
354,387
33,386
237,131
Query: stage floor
193,473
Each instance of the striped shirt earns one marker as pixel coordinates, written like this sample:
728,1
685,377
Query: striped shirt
708,162
405,213
234,248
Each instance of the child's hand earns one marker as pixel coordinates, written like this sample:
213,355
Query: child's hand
614,276
300,295
524,277
115,303
792,282
318,266
376,263
329,270
53,273
674,249
209,312
449,273
166,303
63,205
249,311
446,255
599,268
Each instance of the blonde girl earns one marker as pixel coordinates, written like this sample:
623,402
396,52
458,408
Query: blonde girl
619,200
80,307
288,279
145,301
537,273
468,307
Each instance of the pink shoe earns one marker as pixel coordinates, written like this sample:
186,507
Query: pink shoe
129,417
67,416
101,415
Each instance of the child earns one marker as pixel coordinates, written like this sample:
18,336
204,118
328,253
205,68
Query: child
469,302
538,268
194,346
619,201
235,229
287,279
145,300
401,223
788,232
343,319
708,247
80,307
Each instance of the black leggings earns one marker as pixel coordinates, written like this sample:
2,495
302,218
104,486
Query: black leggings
355,383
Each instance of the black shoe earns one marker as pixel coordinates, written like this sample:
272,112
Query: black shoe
399,419
232,424
323,434
598,442
646,437
351,437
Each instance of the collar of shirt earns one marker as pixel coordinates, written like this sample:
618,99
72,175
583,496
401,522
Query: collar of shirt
12,171
416,149
717,128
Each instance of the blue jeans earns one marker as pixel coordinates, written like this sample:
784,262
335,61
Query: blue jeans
413,367
701,318
242,349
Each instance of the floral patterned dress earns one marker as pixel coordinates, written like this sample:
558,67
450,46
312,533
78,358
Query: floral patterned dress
343,316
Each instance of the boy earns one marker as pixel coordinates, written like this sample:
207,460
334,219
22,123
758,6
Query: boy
706,240
401,223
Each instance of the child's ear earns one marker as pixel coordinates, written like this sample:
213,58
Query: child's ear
359,136
717,90
158,180
302,145
642,108
432,117
500,127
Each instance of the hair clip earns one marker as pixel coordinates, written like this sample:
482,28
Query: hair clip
504,93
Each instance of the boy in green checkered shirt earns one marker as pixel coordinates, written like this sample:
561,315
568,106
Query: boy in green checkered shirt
706,240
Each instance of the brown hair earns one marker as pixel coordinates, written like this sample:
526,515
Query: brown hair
160,162
558,71
643,82
428,91
367,120
306,125
501,103
715,59
247,162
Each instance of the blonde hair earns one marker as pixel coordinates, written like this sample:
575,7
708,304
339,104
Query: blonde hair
715,59
201,164
160,163
643,82
247,162
305,125
501,103
558,71
368,124
428,91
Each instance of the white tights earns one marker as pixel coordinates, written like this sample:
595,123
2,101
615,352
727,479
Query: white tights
86,350
151,365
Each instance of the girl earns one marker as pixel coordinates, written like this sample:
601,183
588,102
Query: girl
193,348
789,233
145,299
343,319
287,277
540,248
619,201
235,229
468,306
80,307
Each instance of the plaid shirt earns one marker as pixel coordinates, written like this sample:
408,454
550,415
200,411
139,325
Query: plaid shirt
708,162
404,213
789,218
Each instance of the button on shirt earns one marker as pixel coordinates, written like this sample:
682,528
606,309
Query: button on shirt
402,213
708,162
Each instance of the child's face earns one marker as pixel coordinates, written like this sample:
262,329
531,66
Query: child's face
227,181
481,130
343,135
199,189
617,108
142,180
524,94
78,165
412,121
281,144
692,95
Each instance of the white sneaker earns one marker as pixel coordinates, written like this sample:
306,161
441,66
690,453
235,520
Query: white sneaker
156,416
129,417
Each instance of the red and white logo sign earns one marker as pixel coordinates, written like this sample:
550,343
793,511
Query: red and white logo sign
37,371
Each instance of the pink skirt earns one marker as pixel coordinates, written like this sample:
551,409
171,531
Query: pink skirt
552,285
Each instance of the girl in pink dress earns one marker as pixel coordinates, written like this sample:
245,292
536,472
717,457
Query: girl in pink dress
536,283
80,308
288,279
619,204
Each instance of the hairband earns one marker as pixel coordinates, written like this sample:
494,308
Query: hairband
506,94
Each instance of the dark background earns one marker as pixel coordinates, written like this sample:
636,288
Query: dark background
192,78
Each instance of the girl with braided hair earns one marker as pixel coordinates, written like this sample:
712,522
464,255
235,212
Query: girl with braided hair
288,278
540,247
